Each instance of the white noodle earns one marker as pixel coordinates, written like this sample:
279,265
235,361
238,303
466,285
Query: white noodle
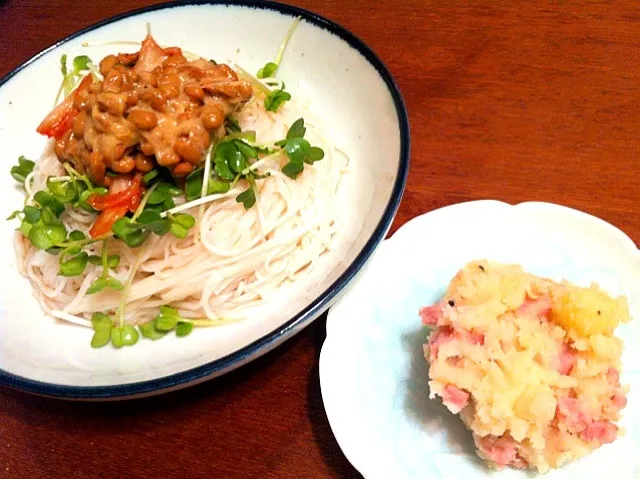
233,259
71,318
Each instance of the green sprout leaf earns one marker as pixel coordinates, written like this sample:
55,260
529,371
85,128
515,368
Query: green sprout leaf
314,154
180,225
193,184
126,335
168,204
50,217
149,331
268,70
63,191
297,129
74,266
97,286
169,188
100,339
56,232
102,325
149,177
275,99
237,162
39,238
130,335
248,151
135,238
292,170
157,197
218,187
184,220
297,149
14,215
149,217
25,228
31,214
247,197
179,231
80,187
231,126
82,201
184,328
81,63
101,322
46,199
152,221
127,232
116,337
102,283
121,227
112,260
75,236
167,320
63,64
224,170
22,169
228,159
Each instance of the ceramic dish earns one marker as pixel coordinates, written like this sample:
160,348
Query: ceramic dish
372,370
346,85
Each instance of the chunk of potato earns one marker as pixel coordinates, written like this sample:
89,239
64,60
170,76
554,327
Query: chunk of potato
589,311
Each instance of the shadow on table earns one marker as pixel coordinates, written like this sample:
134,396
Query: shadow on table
182,409
166,402
329,448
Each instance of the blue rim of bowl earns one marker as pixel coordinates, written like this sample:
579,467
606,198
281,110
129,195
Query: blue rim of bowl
318,305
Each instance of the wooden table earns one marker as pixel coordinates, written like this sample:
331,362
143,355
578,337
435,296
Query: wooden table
514,102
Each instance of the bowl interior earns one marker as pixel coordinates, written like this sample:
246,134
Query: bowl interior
357,108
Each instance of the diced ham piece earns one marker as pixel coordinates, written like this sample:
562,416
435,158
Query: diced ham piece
566,359
613,376
539,307
474,338
440,336
455,399
430,315
444,334
501,450
602,432
619,401
572,415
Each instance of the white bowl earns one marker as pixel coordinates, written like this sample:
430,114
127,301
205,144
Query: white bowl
346,84
373,374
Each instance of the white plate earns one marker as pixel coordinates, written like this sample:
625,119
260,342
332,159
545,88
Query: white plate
372,370
347,87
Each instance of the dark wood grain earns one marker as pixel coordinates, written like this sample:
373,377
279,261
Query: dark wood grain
507,100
